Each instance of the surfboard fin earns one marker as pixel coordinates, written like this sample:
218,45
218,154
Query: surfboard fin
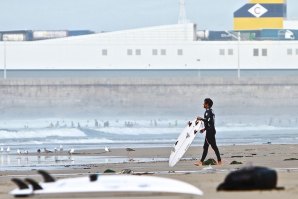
21,184
46,176
195,132
34,184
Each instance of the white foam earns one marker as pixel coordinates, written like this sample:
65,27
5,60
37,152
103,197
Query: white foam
251,127
41,133
81,141
139,130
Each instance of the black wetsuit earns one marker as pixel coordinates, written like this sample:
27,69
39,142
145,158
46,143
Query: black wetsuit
210,134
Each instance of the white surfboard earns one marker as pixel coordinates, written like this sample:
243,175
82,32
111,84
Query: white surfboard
184,141
108,185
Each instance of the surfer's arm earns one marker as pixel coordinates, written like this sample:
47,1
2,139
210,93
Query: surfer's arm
208,120
202,119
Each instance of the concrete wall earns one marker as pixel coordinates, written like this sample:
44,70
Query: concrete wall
137,97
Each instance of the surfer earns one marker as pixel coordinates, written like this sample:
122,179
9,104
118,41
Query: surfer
210,132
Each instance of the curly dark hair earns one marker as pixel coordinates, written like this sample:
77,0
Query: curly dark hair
209,102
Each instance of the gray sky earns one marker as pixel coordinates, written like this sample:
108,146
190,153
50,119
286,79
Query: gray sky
111,15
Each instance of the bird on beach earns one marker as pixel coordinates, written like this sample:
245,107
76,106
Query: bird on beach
71,151
19,152
2,150
129,149
47,151
60,148
8,149
128,153
38,151
107,149
55,150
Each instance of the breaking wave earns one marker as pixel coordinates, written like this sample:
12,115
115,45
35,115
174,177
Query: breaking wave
40,133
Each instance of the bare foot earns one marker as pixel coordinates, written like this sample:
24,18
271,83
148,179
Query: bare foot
198,163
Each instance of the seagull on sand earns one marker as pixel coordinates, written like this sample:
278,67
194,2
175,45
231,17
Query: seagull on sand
19,152
129,149
47,151
8,149
71,151
2,150
61,148
107,149
128,153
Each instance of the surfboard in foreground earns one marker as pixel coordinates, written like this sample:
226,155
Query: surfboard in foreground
184,141
102,186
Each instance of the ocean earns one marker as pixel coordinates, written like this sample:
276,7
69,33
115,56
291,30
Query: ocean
92,134
77,134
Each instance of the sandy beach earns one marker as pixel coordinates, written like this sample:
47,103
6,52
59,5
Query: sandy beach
272,156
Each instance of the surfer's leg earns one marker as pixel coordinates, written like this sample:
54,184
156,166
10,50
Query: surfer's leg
206,146
212,142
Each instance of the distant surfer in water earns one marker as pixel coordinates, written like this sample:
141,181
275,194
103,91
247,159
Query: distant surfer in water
210,132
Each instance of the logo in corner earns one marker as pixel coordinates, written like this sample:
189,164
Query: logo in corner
258,10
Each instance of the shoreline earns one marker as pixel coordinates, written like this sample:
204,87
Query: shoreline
280,156
100,150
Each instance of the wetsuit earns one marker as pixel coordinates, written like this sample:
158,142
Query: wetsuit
210,134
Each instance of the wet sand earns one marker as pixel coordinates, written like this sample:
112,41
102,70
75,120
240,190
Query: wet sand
268,155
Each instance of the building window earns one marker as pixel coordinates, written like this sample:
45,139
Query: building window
138,52
290,51
221,51
179,52
154,52
256,52
163,52
264,52
104,52
129,51
230,52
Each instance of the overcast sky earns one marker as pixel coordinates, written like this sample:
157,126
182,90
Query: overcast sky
111,15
